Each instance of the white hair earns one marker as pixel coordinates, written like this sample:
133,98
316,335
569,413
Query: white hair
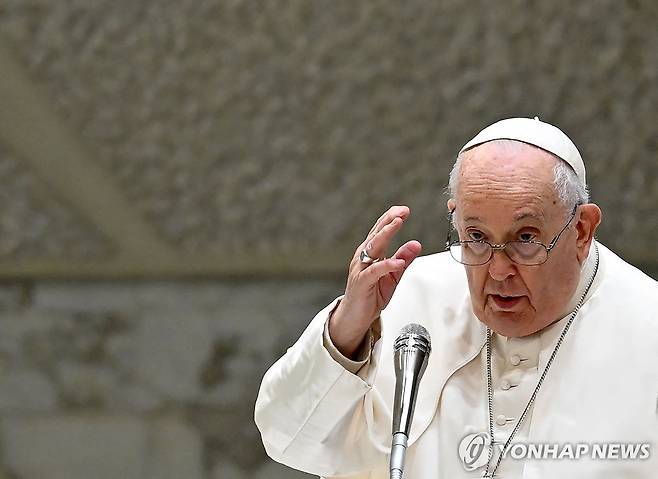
568,187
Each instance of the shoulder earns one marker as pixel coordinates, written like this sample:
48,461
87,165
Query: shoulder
432,289
625,281
435,273
625,303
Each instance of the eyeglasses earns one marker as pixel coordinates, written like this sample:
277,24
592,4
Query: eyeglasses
527,253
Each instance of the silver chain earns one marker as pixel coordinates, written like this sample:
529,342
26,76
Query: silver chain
539,383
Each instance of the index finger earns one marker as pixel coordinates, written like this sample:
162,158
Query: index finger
385,219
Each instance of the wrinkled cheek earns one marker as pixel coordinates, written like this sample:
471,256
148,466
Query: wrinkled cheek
529,305
479,310
476,279
479,304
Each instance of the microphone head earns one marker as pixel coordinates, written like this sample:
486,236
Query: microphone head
414,328
413,335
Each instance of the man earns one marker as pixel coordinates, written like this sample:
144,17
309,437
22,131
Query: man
541,336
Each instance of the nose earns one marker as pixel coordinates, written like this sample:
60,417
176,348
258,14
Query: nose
500,266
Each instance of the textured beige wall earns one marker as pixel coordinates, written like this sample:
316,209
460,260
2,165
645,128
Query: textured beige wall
212,137
143,380
244,134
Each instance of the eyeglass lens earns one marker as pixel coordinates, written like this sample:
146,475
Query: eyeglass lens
477,253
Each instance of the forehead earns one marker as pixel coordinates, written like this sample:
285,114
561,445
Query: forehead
513,179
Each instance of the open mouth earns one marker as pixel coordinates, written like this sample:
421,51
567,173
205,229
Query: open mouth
506,302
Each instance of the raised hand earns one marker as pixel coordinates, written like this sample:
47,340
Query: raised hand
370,287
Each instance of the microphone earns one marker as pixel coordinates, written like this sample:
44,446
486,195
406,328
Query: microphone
411,351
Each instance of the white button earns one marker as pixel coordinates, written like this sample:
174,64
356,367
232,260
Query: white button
515,359
501,420
505,385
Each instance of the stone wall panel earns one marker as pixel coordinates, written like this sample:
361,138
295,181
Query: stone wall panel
290,127
175,366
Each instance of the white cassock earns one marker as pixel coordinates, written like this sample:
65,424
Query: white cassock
320,413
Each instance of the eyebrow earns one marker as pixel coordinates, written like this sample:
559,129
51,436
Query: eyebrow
522,216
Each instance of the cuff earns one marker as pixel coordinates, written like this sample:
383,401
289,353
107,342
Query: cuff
363,354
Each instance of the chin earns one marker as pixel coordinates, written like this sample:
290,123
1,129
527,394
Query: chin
510,324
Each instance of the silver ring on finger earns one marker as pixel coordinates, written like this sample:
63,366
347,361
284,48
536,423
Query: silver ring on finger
365,258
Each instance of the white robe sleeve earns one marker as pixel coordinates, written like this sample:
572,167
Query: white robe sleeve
310,409
362,355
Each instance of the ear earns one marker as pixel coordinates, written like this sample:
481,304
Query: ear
588,221
451,204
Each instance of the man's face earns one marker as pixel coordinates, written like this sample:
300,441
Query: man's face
506,194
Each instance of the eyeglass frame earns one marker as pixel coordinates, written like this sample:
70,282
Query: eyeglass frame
502,246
